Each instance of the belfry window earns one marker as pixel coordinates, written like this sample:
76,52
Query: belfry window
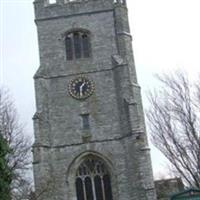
77,45
93,180
86,45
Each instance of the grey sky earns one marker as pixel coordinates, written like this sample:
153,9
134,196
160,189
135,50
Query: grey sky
166,36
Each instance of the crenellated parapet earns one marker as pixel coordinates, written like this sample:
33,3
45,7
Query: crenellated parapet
120,2
45,9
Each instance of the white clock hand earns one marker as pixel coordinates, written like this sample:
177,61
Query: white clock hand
81,88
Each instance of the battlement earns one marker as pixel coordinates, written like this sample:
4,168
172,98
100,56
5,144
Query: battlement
51,2
56,8
121,2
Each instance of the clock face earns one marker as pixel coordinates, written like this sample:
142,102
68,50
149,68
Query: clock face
81,87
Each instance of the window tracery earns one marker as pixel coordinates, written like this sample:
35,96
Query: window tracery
93,180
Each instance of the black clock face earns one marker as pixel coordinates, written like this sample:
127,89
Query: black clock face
81,87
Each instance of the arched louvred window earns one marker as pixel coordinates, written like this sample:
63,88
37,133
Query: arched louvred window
77,45
93,180
69,47
86,45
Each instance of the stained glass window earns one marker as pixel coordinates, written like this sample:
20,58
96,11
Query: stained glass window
98,187
79,189
93,180
88,188
107,187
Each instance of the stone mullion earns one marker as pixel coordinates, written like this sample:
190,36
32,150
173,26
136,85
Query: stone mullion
102,186
93,188
73,47
81,44
84,189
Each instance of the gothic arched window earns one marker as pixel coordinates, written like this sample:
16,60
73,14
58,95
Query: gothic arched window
93,180
77,45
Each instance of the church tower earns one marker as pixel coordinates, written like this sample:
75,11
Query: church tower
90,138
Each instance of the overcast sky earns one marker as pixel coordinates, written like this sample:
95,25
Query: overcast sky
166,36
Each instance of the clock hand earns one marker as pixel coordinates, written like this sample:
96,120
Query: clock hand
81,88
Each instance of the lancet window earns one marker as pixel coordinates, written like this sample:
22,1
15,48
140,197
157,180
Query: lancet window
77,45
93,181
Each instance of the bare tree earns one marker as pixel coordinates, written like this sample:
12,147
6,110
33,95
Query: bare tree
47,189
174,123
19,158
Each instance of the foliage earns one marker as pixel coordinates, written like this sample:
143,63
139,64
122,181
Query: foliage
174,121
5,172
19,154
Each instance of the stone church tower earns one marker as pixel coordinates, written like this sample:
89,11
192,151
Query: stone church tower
90,139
